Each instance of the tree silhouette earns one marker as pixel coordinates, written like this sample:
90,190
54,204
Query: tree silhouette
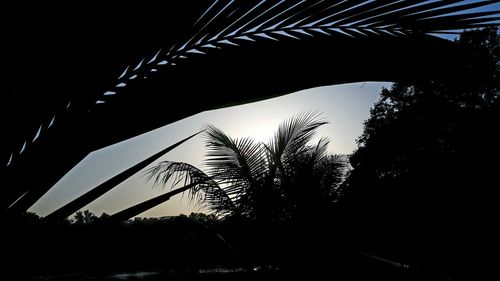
208,220
256,180
286,184
84,218
424,175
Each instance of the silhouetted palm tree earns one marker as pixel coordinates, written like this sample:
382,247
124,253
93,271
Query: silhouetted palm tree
282,189
262,182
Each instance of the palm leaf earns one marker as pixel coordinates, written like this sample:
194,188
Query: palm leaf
292,137
233,23
101,189
146,205
202,188
238,162
235,167
319,151
236,22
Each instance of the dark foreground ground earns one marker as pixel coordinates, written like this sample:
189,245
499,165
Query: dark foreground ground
181,249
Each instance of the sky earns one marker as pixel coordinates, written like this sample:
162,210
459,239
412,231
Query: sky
344,106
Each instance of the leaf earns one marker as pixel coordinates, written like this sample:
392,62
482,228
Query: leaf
286,34
292,138
414,15
124,72
264,35
106,186
202,188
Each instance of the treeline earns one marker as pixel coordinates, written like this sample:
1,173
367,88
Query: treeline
424,184
85,244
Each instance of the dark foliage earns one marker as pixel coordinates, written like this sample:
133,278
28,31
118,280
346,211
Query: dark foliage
88,246
281,193
423,189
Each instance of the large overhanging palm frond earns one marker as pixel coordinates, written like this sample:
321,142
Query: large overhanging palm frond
233,23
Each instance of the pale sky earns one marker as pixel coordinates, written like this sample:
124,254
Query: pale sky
344,106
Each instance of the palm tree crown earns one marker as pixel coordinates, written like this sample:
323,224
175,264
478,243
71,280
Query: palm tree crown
261,181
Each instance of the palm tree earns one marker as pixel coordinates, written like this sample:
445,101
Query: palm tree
282,188
266,183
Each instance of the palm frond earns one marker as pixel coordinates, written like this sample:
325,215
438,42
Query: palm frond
334,170
293,135
203,189
137,209
233,160
80,202
319,151
233,23
174,172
